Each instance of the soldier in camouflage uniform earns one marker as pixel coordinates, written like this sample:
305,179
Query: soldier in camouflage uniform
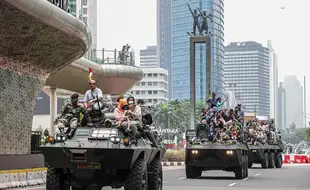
70,115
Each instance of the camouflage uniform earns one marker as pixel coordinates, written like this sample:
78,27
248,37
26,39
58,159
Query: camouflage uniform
71,115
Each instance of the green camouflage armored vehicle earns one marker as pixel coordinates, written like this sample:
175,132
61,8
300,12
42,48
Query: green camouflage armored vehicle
268,154
266,150
103,155
202,155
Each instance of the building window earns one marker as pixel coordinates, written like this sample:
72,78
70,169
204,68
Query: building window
137,92
149,75
84,2
149,92
155,92
155,74
149,83
142,83
142,92
85,11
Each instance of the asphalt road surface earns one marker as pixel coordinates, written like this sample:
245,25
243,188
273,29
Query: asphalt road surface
290,177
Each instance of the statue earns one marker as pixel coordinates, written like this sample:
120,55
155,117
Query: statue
124,54
204,24
195,21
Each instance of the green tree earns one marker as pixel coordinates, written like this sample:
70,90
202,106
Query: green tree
175,114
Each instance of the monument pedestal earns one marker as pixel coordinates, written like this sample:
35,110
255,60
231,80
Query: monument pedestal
201,39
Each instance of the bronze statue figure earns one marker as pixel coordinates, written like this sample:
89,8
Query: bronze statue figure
204,25
195,21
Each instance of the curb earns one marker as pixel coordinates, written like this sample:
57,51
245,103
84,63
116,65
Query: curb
173,163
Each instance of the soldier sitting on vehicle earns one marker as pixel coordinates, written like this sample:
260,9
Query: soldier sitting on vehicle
71,116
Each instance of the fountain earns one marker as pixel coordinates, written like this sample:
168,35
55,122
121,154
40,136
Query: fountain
302,146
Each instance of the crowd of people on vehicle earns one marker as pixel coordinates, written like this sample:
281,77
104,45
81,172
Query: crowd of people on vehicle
128,114
260,131
228,124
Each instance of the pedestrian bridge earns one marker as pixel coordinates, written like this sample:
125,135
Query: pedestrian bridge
42,45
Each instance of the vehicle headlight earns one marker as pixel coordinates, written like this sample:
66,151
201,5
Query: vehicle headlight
229,152
61,138
115,139
194,151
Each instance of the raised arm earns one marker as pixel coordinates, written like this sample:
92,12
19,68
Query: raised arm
190,9
199,11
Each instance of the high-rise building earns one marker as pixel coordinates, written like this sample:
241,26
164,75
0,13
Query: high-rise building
281,107
273,62
86,10
182,22
153,88
164,25
246,72
148,57
294,101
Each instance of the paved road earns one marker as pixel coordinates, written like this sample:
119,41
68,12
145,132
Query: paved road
290,177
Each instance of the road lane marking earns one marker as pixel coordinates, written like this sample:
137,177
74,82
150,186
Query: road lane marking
257,174
246,179
230,185
181,178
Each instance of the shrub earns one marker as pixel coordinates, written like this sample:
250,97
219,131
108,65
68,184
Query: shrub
174,156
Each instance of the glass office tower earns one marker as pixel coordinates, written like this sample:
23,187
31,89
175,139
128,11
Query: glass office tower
182,23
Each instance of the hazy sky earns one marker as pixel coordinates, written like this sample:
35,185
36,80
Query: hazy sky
134,21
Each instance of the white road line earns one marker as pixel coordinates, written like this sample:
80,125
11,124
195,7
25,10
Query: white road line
246,179
230,185
181,178
257,174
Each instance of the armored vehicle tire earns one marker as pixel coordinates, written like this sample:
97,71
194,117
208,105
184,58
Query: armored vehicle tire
241,172
265,160
192,172
250,164
55,179
246,166
278,160
155,175
271,163
137,177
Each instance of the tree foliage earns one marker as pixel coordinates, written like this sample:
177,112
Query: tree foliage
175,114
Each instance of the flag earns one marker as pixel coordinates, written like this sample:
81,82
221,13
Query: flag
90,74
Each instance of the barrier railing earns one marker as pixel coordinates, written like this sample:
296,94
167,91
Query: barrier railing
22,178
115,56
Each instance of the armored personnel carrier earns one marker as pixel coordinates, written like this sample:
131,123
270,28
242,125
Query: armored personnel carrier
268,154
202,155
103,155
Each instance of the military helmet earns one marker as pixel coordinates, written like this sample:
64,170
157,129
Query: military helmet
75,95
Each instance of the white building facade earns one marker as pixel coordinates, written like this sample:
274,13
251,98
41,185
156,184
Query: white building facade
148,57
294,101
273,63
153,88
86,11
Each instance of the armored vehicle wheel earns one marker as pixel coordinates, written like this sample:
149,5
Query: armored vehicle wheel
240,172
250,164
55,179
271,160
246,166
278,160
265,160
192,172
155,175
137,177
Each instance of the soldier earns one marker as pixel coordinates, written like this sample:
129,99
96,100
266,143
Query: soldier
71,115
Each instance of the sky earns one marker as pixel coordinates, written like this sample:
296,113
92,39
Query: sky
284,22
